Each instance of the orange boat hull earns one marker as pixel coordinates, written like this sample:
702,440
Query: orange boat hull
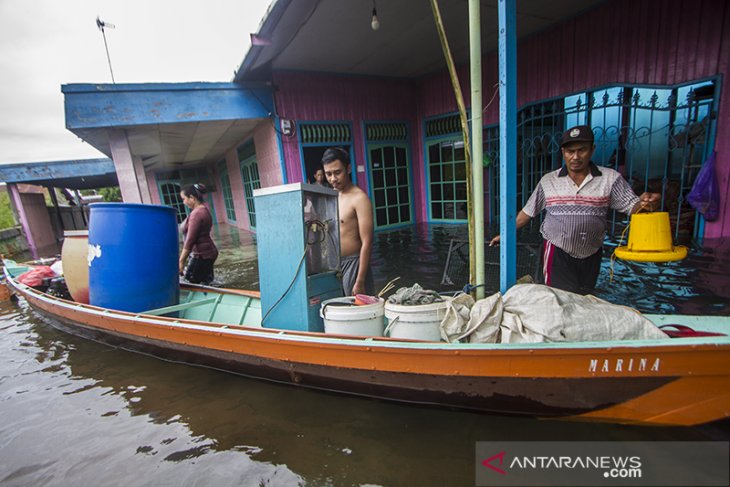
672,384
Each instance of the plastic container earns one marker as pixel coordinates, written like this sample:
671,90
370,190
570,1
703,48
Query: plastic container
133,256
650,240
74,257
342,317
418,322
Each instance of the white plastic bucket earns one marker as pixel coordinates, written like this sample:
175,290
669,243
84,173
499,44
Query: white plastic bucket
342,317
417,322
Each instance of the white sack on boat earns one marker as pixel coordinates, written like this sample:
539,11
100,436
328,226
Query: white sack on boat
530,313
486,319
454,324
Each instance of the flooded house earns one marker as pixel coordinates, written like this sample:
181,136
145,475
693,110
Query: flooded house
646,76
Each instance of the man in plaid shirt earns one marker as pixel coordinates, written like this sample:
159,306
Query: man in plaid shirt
577,199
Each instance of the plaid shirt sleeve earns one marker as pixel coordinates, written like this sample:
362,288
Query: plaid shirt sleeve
623,198
536,203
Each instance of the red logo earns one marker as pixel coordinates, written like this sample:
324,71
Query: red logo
488,462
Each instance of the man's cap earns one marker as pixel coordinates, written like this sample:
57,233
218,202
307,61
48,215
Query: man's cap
579,133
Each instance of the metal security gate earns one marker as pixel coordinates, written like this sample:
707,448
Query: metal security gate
657,138
389,167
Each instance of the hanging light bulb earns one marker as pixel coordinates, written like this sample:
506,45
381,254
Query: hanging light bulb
375,23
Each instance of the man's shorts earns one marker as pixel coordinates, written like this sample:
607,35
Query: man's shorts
562,271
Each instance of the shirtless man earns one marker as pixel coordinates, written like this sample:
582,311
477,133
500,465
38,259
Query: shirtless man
356,224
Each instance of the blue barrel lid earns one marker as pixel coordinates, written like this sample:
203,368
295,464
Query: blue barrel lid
140,206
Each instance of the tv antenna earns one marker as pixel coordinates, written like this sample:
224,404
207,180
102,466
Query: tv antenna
106,25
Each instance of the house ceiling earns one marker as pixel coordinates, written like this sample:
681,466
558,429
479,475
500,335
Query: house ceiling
335,36
171,146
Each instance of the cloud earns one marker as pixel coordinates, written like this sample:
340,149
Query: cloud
47,43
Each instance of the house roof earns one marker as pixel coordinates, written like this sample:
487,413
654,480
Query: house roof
167,124
335,37
72,174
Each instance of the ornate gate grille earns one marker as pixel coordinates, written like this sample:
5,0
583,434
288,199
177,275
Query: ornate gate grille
658,138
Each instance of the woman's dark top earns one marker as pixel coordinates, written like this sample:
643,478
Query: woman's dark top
196,229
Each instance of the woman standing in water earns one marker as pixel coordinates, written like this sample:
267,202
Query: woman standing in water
196,234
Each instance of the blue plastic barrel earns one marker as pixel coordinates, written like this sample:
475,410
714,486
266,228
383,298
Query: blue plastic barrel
133,256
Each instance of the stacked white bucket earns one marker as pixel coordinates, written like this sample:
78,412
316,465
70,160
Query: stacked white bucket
416,322
342,317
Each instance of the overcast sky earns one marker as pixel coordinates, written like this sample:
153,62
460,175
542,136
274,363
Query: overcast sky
47,43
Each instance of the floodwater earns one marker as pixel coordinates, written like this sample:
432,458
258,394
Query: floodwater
76,412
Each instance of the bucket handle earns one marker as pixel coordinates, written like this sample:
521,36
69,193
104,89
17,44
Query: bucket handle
386,332
322,311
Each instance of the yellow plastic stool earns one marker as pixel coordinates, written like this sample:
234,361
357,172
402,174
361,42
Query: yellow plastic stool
650,240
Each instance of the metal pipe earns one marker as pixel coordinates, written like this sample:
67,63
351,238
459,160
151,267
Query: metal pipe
507,142
475,64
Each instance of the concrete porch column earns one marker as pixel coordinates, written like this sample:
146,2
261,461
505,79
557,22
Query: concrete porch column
35,222
126,169
144,188
22,217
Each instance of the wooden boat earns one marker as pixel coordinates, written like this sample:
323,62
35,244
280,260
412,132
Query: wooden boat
673,381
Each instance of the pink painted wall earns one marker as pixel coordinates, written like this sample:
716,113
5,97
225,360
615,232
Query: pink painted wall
267,154
267,158
239,200
623,41
152,185
34,219
321,97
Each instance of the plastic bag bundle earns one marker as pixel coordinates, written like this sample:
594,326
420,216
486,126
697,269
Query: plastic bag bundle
705,194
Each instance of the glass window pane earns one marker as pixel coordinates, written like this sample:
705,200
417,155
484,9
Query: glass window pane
403,195
459,151
405,213
379,197
436,211
378,181
381,217
393,215
460,191
461,211
435,173
388,157
448,191
448,172
460,171
433,154
390,179
376,157
448,211
392,194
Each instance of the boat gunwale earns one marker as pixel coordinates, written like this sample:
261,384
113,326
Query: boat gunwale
665,344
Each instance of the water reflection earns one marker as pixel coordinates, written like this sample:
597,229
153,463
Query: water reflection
89,410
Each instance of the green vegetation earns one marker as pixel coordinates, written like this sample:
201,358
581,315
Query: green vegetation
7,219
112,193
